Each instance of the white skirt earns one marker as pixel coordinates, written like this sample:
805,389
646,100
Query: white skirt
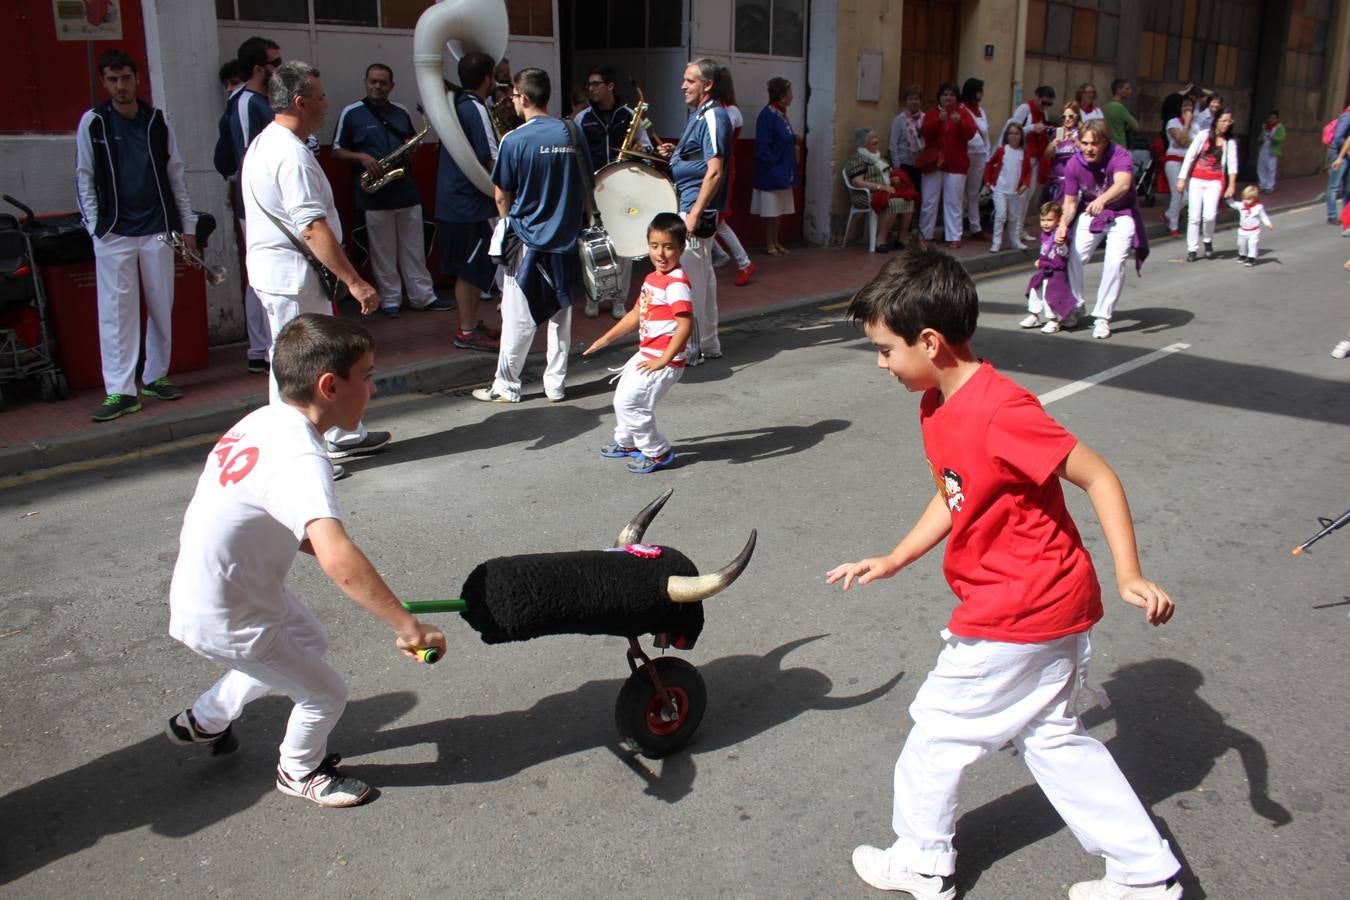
772,204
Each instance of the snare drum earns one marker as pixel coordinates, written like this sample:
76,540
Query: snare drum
599,266
628,194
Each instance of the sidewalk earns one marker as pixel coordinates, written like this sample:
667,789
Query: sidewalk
415,354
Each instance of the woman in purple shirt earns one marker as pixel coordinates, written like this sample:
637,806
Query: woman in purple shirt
1099,183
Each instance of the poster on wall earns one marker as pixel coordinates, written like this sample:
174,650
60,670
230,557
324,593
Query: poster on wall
87,20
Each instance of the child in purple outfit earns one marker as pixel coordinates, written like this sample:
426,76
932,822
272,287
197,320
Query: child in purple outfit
1050,301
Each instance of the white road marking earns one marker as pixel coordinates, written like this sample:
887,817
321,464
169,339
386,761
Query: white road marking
1083,384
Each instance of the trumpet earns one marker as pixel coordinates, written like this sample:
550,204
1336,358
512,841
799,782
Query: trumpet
214,274
631,145
372,183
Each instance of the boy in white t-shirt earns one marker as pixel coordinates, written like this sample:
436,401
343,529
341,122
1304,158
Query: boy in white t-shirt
664,320
266,493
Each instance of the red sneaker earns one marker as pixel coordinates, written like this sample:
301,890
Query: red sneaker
743,276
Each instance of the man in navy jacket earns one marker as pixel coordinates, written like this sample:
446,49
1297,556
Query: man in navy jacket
129,179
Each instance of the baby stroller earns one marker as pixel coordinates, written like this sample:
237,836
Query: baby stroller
1146,168
27,350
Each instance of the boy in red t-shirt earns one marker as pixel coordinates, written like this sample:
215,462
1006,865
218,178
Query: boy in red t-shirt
1017,645
664,320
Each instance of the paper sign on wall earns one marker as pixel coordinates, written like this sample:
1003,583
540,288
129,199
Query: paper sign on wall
869,77
87,20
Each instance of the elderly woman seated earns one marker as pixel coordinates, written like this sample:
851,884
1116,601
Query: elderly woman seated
891,194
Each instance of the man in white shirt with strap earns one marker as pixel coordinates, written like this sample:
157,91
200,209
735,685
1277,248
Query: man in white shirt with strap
284,187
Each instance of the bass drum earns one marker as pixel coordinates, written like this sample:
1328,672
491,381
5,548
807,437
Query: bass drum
628,194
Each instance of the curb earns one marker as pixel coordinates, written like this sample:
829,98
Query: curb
423,377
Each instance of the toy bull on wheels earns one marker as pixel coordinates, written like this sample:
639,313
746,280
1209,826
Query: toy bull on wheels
629,590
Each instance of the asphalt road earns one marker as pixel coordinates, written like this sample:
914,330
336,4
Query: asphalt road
500,768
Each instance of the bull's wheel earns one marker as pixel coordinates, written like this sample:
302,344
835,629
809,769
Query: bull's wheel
654,726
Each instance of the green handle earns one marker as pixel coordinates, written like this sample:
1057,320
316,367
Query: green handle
435,606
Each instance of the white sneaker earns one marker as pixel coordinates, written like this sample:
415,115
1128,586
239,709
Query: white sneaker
1051,327
617,310
1031,321
592,309
1106,889
326,785
488,395
1341,350
1101,330
993,248
1019,246
874,867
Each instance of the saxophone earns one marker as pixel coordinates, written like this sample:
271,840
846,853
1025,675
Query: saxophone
370,183
632,147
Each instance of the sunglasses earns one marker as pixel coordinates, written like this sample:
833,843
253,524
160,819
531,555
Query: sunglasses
274,63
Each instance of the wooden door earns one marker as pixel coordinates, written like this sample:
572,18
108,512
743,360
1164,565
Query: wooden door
929,46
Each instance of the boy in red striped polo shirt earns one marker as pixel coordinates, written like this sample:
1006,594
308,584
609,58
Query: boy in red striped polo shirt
664,321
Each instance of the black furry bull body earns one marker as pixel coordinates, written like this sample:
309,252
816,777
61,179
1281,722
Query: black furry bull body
609,592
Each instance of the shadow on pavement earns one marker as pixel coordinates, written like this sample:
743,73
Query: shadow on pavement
747,696
1167,742
175,791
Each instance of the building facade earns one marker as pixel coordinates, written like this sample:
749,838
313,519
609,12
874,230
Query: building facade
848,60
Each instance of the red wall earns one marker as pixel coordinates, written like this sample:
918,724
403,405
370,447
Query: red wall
50,79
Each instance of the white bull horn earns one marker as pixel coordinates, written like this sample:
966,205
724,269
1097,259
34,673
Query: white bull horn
693,588
637,526
472,25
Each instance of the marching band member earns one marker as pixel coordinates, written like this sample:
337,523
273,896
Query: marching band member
605,123
539,192
367,131
287,199
697,163
463,212
129,178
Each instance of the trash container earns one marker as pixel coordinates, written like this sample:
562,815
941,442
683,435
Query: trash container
67,264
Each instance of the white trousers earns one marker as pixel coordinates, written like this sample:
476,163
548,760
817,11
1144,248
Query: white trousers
255,317
292,664
697,264
949,188
395,238
121,265
1119,243
518,334
1173,214
1203,197
982,694
1006,216
1249,243
1266,166
635,399
733,244
974,181
1036,303
281,308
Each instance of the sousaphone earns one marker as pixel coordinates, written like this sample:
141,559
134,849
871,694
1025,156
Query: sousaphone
460,26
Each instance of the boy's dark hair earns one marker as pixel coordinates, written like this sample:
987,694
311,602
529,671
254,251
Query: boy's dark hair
231,70
253,53
921,288
312,344
669,223
534,84
116,59
473,68
1045,90
379,65
1052,208
1117,84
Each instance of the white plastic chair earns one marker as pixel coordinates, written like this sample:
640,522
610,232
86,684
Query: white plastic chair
854,211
